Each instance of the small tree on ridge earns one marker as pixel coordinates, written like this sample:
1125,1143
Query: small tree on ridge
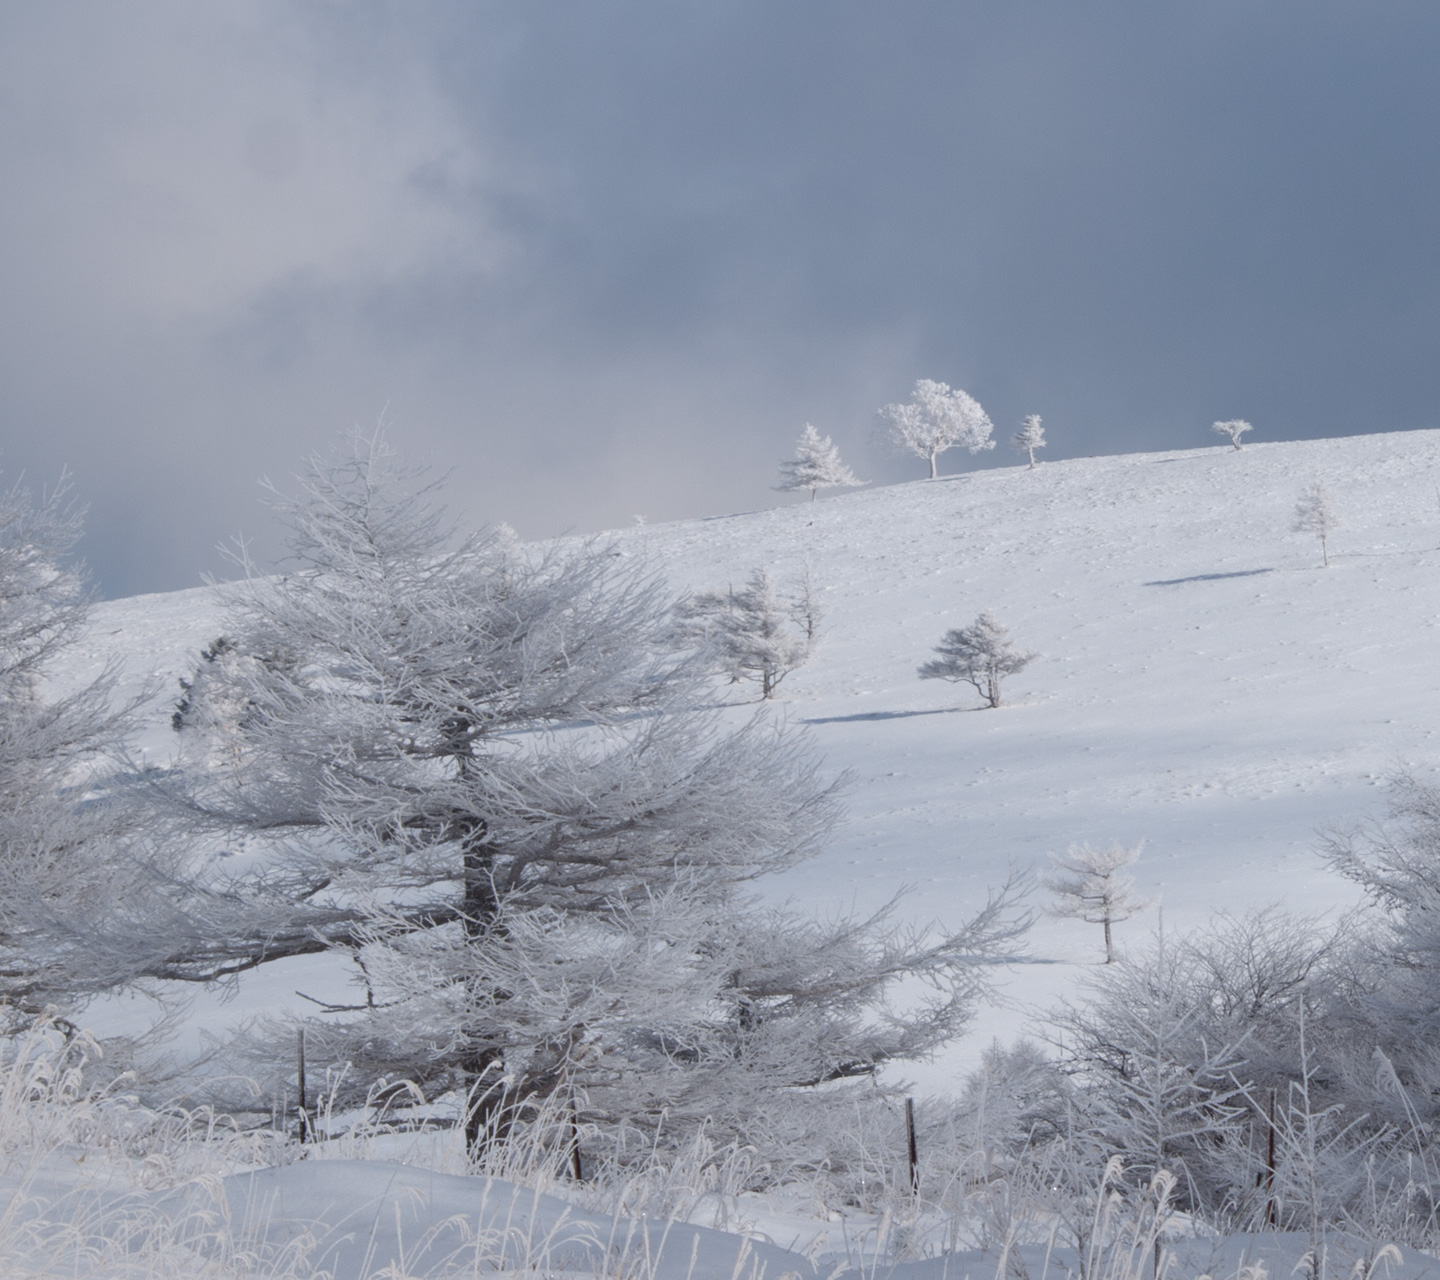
1232,429
938,417
816,465
1315,513
1030,437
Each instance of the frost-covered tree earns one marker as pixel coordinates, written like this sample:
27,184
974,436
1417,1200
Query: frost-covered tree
1232,429
805,608
1030,437
60,829
816,465
937,417
1315,513
1090,884
1235,1054
981,654
748,634
1397,863
1156,1087
486,776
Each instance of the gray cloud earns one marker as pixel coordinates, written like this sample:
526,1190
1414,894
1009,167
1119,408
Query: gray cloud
606,259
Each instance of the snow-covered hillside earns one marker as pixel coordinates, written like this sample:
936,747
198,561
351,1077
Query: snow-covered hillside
1206,685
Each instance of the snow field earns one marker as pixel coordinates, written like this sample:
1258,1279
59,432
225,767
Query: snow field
1205,687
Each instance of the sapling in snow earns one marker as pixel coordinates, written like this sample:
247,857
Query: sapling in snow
1030,437
1232,429
816,465
981,654
1090,884
1315,513
805,609
936,418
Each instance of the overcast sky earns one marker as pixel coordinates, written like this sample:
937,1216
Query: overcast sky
606,259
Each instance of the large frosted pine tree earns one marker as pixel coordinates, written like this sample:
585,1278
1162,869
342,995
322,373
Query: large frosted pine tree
487,777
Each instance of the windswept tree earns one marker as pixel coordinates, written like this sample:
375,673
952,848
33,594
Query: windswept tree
750,634
981,654
1315,513
485,775
816,465
1090,884
1030,437
1232,430
937,417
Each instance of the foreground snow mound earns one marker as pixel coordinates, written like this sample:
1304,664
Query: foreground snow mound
348,1220
358,1217
368,1220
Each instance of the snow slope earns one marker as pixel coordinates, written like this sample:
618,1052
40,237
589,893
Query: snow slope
1206,686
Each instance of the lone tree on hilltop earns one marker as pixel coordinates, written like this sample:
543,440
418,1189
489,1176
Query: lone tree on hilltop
981,654
1030,437
1315,513
1091,885
1232,429
936,418
816,465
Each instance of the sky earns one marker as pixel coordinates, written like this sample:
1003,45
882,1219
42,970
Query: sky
604,259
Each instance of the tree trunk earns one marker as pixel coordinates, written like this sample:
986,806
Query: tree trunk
934,469
486,1113
1109,944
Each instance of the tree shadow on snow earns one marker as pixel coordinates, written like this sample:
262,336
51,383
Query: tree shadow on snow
1207,577
888,715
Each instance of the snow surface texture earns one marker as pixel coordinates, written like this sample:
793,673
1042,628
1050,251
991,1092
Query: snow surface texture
1205,685
372,1220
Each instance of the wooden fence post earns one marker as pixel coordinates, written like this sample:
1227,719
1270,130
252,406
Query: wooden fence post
576,1170
302,1128
912,1150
